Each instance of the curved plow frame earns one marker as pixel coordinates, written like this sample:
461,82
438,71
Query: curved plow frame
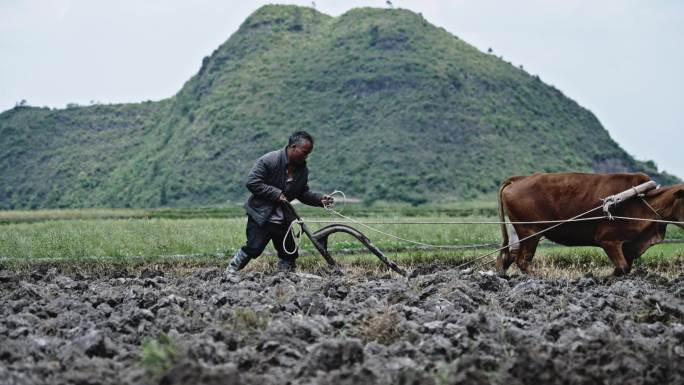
320,242
321,237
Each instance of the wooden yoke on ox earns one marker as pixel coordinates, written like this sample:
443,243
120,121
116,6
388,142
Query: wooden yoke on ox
320,241
616,199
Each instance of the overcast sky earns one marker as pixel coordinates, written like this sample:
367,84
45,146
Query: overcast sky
621,59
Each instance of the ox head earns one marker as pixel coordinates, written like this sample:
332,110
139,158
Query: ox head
678,205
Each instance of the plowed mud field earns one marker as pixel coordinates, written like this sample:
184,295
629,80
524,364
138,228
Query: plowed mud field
440,327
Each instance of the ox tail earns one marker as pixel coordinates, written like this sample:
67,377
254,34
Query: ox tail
504,259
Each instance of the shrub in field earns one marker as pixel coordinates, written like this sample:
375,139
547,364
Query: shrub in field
158,355
246,318
381,327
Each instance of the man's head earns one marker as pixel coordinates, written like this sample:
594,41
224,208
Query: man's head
299,146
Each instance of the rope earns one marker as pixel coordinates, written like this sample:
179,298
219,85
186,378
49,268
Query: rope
330,208
557,223
650,207
453,247
331,205
297,238
526,238
650,220
497,223
521,240
457,222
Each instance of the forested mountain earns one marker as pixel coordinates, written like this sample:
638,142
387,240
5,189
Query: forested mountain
401,111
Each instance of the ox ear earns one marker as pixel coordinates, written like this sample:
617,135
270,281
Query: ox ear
679,194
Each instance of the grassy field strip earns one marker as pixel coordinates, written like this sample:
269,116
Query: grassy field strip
15,216
145,239
138,237
461,209
666,261
557,262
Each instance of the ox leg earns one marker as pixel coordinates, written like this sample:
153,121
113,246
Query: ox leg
526,253
632,251
504,261
614,251
508,255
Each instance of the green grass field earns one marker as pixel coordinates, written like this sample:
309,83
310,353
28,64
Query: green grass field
209,236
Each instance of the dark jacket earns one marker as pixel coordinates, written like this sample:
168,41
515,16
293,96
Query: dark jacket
267,180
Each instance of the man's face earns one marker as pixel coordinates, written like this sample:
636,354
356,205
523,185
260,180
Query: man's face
299,152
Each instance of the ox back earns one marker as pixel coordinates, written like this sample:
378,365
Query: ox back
560,196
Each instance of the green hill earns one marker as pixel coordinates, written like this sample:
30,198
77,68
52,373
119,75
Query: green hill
401,111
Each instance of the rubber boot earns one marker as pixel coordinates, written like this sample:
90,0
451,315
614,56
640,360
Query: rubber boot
287,265
238,262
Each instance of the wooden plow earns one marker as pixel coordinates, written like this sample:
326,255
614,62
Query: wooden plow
320,242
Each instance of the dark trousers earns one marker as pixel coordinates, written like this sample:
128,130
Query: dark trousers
259,236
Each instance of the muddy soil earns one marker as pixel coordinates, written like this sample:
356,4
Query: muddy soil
441,327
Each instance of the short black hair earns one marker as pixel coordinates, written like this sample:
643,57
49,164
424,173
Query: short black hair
300,136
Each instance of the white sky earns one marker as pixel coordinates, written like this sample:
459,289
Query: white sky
621,59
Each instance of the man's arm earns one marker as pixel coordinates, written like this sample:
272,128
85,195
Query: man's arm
256,182
311,198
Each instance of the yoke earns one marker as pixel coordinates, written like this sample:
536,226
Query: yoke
616,199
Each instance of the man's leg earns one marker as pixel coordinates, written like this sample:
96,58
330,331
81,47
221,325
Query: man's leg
257,239
286,261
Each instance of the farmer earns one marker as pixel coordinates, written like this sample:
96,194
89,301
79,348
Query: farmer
275,179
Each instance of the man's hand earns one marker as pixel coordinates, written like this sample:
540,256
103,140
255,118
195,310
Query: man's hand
327,200
282,199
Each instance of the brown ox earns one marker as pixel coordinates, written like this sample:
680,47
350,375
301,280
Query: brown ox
546,197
